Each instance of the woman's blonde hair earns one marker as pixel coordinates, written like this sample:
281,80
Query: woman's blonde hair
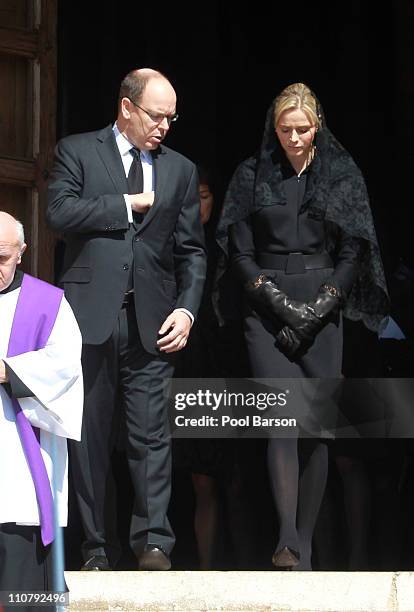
298,96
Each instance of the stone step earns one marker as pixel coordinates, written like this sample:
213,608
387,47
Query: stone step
242,591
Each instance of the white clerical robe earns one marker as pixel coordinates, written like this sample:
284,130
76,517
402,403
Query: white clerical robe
54,376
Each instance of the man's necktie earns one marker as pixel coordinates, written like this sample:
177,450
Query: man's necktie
135,176
136,180
135,185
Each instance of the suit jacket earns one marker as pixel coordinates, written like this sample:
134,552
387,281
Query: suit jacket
86,203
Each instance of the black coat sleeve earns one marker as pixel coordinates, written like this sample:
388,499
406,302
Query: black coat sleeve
77,200
347,259
242,251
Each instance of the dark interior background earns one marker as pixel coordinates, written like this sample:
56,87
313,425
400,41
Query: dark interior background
227,63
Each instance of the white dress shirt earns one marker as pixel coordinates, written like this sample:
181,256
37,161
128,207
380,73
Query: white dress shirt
125,147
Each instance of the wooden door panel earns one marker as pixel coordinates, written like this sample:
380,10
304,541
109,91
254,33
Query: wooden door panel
27,121
16,13
16,107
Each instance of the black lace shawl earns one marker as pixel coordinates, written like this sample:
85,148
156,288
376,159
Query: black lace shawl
335,193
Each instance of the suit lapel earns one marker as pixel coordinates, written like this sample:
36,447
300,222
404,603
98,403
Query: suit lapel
109,153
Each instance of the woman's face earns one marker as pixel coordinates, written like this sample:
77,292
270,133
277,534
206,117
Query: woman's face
295,133
206,202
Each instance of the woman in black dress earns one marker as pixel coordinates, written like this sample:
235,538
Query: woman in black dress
298,229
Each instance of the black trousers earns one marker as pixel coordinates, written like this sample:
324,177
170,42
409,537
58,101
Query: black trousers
124,383
25,564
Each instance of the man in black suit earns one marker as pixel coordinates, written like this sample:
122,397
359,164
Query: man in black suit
133,272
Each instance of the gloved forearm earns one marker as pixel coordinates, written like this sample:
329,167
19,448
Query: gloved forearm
264,292
327,303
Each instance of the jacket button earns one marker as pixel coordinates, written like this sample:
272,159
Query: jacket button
137,238
125,267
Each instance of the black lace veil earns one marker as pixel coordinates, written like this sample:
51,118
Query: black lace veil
336,194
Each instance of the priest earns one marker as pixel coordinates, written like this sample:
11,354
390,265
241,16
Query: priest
41,401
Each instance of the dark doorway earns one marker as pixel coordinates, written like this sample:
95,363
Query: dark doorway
227,63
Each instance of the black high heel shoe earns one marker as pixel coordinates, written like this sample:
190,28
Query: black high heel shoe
286,558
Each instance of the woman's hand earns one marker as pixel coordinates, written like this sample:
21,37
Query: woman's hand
288,342
298,316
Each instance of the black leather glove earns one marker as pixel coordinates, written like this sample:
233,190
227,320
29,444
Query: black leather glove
328,301
264,292
288,342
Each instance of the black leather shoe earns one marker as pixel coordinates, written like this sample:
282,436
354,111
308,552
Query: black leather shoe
285,559
96,563
154,558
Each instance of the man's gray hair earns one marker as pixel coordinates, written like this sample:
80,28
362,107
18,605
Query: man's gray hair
20,232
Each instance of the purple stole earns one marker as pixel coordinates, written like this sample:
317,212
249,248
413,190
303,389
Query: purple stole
35,315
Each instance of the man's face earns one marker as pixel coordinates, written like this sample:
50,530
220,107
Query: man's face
10,256
147,125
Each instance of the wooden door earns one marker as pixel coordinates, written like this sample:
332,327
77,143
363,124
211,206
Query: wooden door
27,121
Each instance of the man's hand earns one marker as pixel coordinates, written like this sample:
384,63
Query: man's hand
141,202
178,326
3,374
